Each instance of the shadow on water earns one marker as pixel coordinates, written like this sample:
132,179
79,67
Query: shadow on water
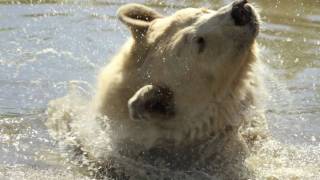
47,43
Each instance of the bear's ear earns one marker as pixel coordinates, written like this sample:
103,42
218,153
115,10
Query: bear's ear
137,17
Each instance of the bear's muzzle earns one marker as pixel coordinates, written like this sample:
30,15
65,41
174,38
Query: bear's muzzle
241,12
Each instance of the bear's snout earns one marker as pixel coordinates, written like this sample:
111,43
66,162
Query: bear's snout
241,12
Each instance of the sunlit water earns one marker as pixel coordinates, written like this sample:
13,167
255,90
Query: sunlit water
48,50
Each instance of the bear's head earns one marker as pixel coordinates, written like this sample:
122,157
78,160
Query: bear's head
199,58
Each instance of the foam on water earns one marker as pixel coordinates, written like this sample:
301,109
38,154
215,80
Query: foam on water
275,160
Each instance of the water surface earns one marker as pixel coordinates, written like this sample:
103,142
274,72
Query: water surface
49,47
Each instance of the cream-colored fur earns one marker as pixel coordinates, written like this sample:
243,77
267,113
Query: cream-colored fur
213,90
210,66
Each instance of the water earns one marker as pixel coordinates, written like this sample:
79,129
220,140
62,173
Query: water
48,49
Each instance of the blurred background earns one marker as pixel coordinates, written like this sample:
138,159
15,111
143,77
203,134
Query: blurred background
45,44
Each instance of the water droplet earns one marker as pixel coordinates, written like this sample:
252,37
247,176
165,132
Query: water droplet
281,62
314,86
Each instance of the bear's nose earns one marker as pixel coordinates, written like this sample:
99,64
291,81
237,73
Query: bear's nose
241,12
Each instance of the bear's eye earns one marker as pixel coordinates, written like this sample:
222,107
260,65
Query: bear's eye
201,44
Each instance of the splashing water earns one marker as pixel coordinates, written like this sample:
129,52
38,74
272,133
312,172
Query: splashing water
55,50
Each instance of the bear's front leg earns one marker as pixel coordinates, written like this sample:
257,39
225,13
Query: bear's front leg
152,103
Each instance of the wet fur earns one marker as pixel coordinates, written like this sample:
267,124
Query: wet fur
214,109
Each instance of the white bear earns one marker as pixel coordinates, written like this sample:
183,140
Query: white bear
182,90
